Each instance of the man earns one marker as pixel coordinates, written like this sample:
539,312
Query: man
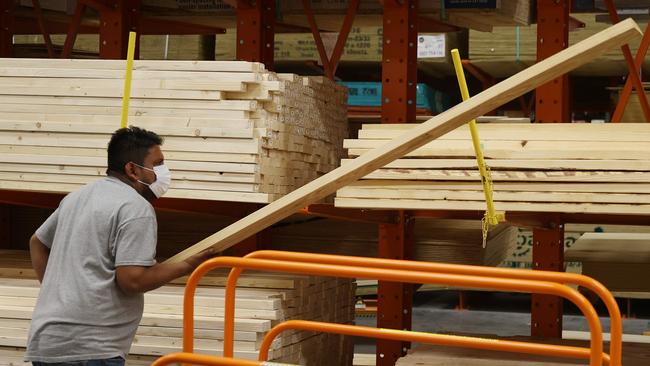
95,257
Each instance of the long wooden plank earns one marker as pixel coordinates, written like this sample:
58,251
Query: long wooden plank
518,149
513,175
174,84
187,157
119,74
161,65
507,186
92,128
55,139
158,299
176,184
100,171
609,132
535,164
495,96
165,320
499,196
173,193
143,121
100,162
98,91
405,204
181,103
135,111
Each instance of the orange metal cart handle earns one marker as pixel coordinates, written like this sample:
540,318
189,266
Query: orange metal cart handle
196,359
616,324
420,337
503,284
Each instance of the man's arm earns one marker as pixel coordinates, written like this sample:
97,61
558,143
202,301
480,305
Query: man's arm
39,254
140,279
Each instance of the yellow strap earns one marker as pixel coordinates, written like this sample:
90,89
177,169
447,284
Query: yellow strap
492,217
127,80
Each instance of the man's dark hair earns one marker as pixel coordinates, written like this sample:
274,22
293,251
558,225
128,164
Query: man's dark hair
130,144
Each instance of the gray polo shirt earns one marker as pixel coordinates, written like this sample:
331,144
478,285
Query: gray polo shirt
81,313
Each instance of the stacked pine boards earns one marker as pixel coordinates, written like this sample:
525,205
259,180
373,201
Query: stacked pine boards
263,300
233,131
575,168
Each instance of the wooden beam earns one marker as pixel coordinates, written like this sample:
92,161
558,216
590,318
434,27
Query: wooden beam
497,95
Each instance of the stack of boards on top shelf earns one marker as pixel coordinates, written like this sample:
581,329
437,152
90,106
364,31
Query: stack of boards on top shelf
233,131
573,168
263,300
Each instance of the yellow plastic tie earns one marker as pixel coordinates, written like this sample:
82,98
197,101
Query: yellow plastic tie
127,80
491,217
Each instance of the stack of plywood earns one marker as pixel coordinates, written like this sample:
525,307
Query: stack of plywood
621,261
435,240
233,131
263,301
592,168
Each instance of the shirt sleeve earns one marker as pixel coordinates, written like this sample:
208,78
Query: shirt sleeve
135,242
45,233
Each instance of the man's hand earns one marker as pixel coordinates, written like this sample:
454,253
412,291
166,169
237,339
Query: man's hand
196,260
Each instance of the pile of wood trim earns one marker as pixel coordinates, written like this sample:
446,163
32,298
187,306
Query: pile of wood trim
579,168
233,131
263,301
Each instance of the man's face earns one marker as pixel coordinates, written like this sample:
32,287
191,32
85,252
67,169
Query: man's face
135,173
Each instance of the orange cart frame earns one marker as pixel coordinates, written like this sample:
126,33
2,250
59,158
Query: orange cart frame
616,322
596,355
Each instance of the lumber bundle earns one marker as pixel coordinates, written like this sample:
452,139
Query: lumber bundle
580,168
263,301
233,131
435,240
507,50
621,261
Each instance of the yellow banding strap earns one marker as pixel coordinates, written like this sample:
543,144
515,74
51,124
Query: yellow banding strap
127,80
492,217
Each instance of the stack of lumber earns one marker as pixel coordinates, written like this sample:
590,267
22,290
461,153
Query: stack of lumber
263,301
621,261
435,240
330,14
576,168
634,354
233,131
508,50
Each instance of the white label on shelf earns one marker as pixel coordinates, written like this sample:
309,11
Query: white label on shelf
431,46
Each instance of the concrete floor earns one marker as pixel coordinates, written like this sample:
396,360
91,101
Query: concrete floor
490,314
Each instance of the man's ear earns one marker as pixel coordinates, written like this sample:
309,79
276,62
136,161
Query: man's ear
130,171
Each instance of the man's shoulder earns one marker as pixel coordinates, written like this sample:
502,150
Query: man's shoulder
113,195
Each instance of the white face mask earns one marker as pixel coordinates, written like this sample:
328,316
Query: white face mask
163,180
